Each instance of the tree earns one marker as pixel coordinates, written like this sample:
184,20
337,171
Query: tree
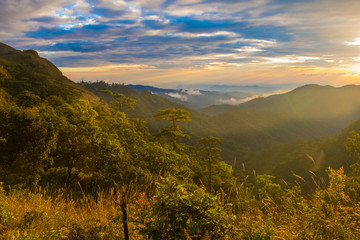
78,136
121,102
3,75
209,147
173,134
27,99
29,136
266,187
352,145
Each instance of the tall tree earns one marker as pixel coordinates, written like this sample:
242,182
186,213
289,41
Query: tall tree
210,148
173,134
121,102
77,139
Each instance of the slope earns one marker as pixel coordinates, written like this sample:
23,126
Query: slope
336,107
309,112
29,71
147,105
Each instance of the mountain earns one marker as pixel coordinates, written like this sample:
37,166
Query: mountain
312,101
152,89
309,112
147,103
31,72
301,156
51,135
195,98
334,107
258,133
216,109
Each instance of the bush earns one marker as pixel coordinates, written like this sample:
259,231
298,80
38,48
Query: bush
178,213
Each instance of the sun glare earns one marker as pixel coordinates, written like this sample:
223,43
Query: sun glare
356,69
354,43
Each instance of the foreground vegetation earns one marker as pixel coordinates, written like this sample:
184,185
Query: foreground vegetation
174,212
74,167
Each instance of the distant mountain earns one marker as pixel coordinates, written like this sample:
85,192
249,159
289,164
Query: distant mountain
152,89
195,98
336,107
253,89
147,105
216,109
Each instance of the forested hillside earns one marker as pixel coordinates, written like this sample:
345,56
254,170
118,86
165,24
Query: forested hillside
74,166
258,132
72,133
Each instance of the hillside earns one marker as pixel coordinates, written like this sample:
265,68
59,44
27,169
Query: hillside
56,133
196,99
31,72
340,105
308,113
147,103
301,156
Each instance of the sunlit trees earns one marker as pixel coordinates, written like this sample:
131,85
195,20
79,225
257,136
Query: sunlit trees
3,75
173,134
353,147
78,134
210,148
121,102
217,174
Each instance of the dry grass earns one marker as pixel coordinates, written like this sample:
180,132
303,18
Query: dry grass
328,214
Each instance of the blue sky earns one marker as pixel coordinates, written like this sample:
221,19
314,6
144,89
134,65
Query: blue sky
191,42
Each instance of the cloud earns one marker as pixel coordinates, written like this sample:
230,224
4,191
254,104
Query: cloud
77,46
180,96
240,35
354,43
276,92
184,94
195,92
236,101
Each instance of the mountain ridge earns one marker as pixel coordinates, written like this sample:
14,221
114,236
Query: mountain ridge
33,71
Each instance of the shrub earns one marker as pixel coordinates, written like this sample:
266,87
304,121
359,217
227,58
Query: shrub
178,213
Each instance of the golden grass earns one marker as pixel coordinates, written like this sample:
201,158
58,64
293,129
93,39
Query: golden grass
328,214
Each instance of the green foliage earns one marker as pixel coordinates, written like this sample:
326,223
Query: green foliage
173,134
177,209
4,76
27,99
335,194
30,135
174,115
210,149
353,147
267,188
121,101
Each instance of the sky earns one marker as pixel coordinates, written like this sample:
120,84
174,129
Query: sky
169,43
